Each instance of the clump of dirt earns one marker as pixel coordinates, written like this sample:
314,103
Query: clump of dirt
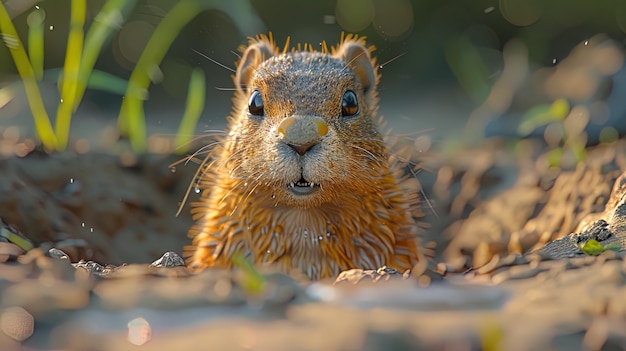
494,204
97,206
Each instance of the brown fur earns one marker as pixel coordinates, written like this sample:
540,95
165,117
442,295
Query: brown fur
362,215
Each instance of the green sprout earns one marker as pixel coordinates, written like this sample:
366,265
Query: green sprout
104,81
35,41
132,119
193,110
70,72
27,74
252,281
594,248
80,58
82,51
110,18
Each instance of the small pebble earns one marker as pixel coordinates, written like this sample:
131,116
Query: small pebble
94,267
17,323
169,259
355,276
56,253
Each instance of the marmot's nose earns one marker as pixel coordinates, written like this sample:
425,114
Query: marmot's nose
301,133
302,149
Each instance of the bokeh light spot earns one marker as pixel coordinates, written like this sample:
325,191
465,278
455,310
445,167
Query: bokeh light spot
608,135
139,331
354,15
393,19
521,12
553,134
131,41
17,323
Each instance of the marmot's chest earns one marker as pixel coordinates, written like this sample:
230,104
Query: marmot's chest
318,242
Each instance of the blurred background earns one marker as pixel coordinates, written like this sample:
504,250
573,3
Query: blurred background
449,68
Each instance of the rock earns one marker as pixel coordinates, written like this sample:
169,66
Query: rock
94,267
354,276
169,259
56,253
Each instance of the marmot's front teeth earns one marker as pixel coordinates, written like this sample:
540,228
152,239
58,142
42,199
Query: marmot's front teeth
302,183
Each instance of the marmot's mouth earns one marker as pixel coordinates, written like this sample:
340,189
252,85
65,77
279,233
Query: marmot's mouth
303,187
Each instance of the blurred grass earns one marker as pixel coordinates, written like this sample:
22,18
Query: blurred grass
78,69
251,281
69,79
193,109
131,120
110,18
35,41
105,82
27,74
132,117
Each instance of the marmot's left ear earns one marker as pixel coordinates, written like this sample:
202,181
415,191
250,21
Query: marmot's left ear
258,50
357,56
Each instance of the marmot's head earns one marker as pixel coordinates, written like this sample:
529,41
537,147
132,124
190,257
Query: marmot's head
302,130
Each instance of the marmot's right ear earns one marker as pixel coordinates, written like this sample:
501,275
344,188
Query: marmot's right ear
258,50
354,52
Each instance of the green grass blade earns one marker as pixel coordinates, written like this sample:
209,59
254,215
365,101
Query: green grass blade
25,70
193,109
252,281
35,41
109,19
131,119
98,80
107,82
70,71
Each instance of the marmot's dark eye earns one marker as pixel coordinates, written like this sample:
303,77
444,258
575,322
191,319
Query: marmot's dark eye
255,104
349,104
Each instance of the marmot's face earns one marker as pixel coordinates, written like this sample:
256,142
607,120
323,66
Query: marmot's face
303,131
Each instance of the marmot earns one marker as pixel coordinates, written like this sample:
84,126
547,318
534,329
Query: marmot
303,178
